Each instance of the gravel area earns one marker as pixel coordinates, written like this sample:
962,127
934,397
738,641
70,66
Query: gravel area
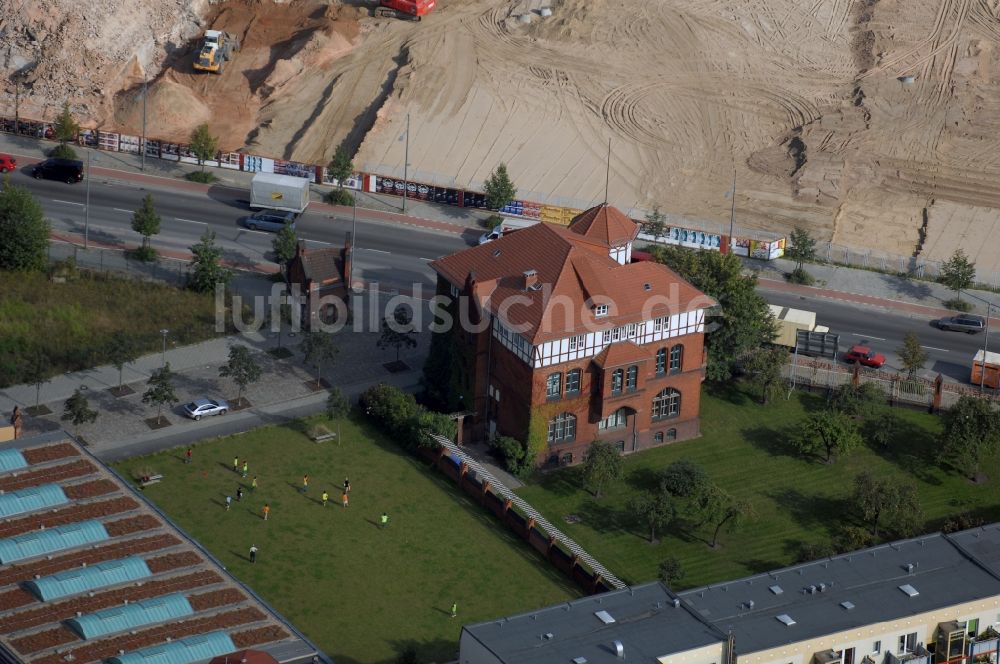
49,453
252,637
73,514
216,598
30,478
90,489
133,525
173,561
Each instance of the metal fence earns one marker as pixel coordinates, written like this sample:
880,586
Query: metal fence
105,261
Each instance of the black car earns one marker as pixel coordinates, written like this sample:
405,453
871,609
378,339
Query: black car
64,170
963,323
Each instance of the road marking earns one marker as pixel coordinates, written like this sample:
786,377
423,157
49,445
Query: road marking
377,251
191,221
943,350
250,230
123,210
56,200
866,336
316,241
427,259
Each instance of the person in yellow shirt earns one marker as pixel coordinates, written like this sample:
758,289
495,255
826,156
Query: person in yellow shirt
325,497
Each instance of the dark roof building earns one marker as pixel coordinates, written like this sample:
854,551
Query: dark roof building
89,571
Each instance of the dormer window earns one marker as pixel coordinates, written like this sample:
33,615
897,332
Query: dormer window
600,310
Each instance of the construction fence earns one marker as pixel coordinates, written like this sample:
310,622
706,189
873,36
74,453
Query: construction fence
106,261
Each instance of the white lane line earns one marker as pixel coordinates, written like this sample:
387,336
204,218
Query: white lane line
943,350
191,221
377,251
427,259
123,210
56,200
867,336
247,230
317,241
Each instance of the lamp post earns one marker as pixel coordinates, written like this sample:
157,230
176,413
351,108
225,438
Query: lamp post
354,242
163,353
86,207
142,142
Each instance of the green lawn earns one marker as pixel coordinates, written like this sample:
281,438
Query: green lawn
798,500
362,594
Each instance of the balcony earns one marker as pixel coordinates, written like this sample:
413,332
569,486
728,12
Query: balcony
918,656
984,646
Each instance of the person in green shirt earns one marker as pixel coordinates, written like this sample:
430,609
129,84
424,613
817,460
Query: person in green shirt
384,521
325,498
454,609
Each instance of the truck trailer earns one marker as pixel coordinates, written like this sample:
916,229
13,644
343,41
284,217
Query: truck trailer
790,321
269,191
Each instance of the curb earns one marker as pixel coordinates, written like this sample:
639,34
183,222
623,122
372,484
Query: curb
854,298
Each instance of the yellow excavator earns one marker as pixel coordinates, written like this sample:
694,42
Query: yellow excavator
216,48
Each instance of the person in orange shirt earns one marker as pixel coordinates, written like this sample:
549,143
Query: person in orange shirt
343,499
266,510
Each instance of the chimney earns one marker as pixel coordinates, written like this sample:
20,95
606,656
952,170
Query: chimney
530,280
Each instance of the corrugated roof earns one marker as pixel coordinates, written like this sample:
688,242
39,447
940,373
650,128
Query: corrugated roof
127,616
40,542
182,651
31,499
82,579
11,460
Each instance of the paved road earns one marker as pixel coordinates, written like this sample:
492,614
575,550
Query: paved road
950,353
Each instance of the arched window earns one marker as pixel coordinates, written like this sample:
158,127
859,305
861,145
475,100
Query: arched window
615,420
676,356
671,434
631,378
661,361
573,381
617,378
553,386
667,404
562,428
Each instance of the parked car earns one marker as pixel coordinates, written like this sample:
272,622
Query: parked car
200,408
963,323
270,220
64,170
7,163
864,355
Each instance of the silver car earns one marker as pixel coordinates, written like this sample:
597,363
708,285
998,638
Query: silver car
963,323
200,408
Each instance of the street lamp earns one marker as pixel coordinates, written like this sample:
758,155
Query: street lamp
142,142
86,208
986,342
163,353
406,162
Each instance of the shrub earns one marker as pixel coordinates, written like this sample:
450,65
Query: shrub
515,456
399,415
339,197
203,177
958,305
144,254
62,151
801,277
493,221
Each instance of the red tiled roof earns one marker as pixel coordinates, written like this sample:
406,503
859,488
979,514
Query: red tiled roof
617,355
322,265
573,273
605,224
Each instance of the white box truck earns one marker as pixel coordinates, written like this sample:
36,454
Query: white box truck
269,191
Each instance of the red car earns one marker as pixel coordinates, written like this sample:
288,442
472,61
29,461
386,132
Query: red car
7,163
864,355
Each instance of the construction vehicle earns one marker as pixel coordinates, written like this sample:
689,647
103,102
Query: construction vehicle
216,48
412,10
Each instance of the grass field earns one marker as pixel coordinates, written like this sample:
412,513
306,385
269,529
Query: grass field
743,450
362,594
71,322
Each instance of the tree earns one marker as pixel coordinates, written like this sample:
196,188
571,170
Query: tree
284,245
958,272
656,223
764,368
863,401
670,571
684,479
602,465
161,390
745,323
242,368
971,432
203,144
398,331
498,188
801,247
35,371
829,432
76,410
340,167
337,405
653,509
722,510
25,232
882,499
318,348
121,349
207,271
912,356
65,128
146,222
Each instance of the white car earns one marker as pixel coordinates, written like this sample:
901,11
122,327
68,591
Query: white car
200,408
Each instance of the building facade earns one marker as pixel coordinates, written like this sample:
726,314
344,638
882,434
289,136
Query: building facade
564,341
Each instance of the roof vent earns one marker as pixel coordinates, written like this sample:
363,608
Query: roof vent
909,590
579,660
847,605
677,603
749,605
79,613
909,567
776,590
548,636
604,617
822,587
619,648
496,253
531,282
38,576
785,619
811,590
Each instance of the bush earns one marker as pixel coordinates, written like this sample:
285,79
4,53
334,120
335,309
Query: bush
144,254
958,305
339,197
203,177
801,277
493,221
398,414
515,456
63,151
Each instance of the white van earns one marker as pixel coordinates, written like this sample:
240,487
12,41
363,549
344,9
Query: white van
508,225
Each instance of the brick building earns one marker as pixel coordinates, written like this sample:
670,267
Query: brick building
567,341
322,276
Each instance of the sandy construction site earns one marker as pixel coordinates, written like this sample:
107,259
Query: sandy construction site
871,122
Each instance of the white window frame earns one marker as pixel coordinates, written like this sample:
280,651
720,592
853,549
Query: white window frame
600,310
